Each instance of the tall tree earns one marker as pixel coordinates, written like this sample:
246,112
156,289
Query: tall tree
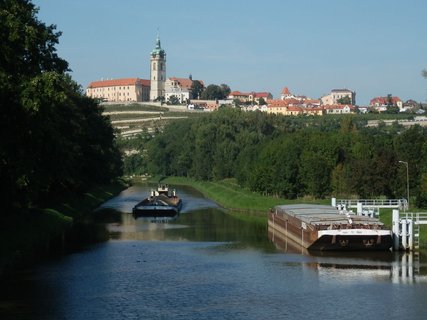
196,89
53,138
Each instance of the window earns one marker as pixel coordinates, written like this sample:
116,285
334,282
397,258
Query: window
154,66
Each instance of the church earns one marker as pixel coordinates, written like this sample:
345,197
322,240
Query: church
157,88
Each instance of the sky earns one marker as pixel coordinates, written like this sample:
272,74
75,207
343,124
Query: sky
373,47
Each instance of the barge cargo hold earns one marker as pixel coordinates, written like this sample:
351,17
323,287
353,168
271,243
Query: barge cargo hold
325,228
160,203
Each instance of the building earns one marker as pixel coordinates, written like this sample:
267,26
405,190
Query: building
134,89
379,102
157,72
252,97
120,90
180,88
337,94
339,109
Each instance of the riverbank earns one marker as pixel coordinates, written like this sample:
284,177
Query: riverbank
228,194
247,204
29,235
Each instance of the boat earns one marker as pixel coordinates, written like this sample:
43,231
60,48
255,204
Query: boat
326,228
160,203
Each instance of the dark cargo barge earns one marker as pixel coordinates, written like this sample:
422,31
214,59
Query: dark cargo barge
160,203
321,227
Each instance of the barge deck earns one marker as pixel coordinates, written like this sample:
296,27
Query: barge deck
325,228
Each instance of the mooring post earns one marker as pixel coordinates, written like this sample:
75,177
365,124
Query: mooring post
404,233
396,229
359,208
410,234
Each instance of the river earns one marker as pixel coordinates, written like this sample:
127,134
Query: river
208,264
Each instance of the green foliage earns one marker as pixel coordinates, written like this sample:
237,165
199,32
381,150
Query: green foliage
293,157
344,100
215,92
196,89
53,138
173,100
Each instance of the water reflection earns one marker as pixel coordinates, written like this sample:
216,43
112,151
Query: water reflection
199,220
127,199
208,264
399,267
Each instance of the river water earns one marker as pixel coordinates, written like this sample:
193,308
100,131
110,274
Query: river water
208,264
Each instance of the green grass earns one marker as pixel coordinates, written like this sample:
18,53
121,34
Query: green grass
229,195
247,205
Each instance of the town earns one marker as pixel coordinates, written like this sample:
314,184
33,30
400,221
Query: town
192,94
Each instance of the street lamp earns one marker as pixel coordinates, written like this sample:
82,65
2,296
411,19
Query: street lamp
407,178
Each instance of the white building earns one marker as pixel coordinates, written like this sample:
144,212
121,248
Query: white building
337,94
120,90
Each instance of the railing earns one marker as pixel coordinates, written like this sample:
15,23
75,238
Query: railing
406,229
374,203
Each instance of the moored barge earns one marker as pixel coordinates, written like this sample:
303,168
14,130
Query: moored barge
160,203
325,228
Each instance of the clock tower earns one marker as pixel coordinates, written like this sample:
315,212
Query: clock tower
157,71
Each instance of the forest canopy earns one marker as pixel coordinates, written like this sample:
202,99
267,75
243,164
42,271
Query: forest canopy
53,138
294,157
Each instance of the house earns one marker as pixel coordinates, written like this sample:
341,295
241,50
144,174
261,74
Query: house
339,109
180,88
284,107
337,94
382,103
120,90
286,94
252,97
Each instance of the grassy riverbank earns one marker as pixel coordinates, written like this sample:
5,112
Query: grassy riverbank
228,194
248,204
30,234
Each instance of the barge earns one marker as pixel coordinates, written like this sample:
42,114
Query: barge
160,203
325,228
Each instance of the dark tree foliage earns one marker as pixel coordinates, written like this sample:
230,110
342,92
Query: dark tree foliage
53,138
294,157
215,92
196,89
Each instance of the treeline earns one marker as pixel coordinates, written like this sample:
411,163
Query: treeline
294,157
53,139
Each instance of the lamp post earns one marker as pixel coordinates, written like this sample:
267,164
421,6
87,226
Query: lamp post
407,178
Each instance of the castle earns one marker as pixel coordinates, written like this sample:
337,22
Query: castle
157,88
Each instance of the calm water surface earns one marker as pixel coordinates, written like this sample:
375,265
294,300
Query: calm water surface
210,265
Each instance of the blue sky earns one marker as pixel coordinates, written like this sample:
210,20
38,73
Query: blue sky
374,47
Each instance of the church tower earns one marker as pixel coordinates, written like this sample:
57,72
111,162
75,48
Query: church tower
157,71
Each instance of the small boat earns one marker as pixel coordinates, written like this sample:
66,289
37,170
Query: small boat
160,203
325,228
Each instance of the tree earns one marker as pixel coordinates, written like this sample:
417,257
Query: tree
196,89
262,101
215,92
53,138
212,92
173,100
225,89
344,100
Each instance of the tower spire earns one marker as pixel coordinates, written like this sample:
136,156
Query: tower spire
158,46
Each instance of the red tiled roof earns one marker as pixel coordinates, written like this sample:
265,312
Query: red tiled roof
119,82
285,90
238,93
185,82
261,94
295,108
384,100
